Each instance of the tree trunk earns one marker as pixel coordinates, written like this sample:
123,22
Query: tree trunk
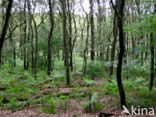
115,33
152,55
5,27
14,46
107,54
133,48
119,14
25,36
86,48
63,2
70,35
92,30
21,39
121,54
32,35
36,49
50,37
13,50
152,61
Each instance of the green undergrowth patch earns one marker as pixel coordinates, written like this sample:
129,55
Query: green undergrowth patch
18,88
18,85
137,91
131,70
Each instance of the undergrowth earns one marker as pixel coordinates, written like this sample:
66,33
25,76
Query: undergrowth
19,85
137,91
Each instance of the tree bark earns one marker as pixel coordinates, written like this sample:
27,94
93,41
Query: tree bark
119,13
70,35
63,2
50,38
25,36
86,48
36,48
152,61
31,33
5,27
92,30
100,53
115,33
152,56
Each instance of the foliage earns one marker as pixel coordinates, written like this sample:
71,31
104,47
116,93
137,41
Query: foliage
51,107
137,71
17,85
111,87
93,105
94,69
141,94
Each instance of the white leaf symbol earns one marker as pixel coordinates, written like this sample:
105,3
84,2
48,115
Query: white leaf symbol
125,110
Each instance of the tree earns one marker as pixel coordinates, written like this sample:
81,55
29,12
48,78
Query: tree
92,29
152,56
51,5
115,32
5,27
64,18
99,21
152,61
119,14
70,33
26,64
36,27
86,42
31,34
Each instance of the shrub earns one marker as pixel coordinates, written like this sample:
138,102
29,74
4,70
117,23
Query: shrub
50,107
94,69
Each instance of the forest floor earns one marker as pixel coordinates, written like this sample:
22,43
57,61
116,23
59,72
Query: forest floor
32,112
21,95
73,106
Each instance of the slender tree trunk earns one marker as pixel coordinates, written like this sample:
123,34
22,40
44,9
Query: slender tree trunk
92,29
113,44
14,46
107,54
142,51
36,42
121,54
36,49
146,51
133,48
86,48
152,61
32,35
63,2
5,27
50,37
152,55
119,14
100,53
32,47
70,35
13,50
21,39
75,37
25,36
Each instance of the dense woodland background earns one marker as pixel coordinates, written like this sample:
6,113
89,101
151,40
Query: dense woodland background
74,57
